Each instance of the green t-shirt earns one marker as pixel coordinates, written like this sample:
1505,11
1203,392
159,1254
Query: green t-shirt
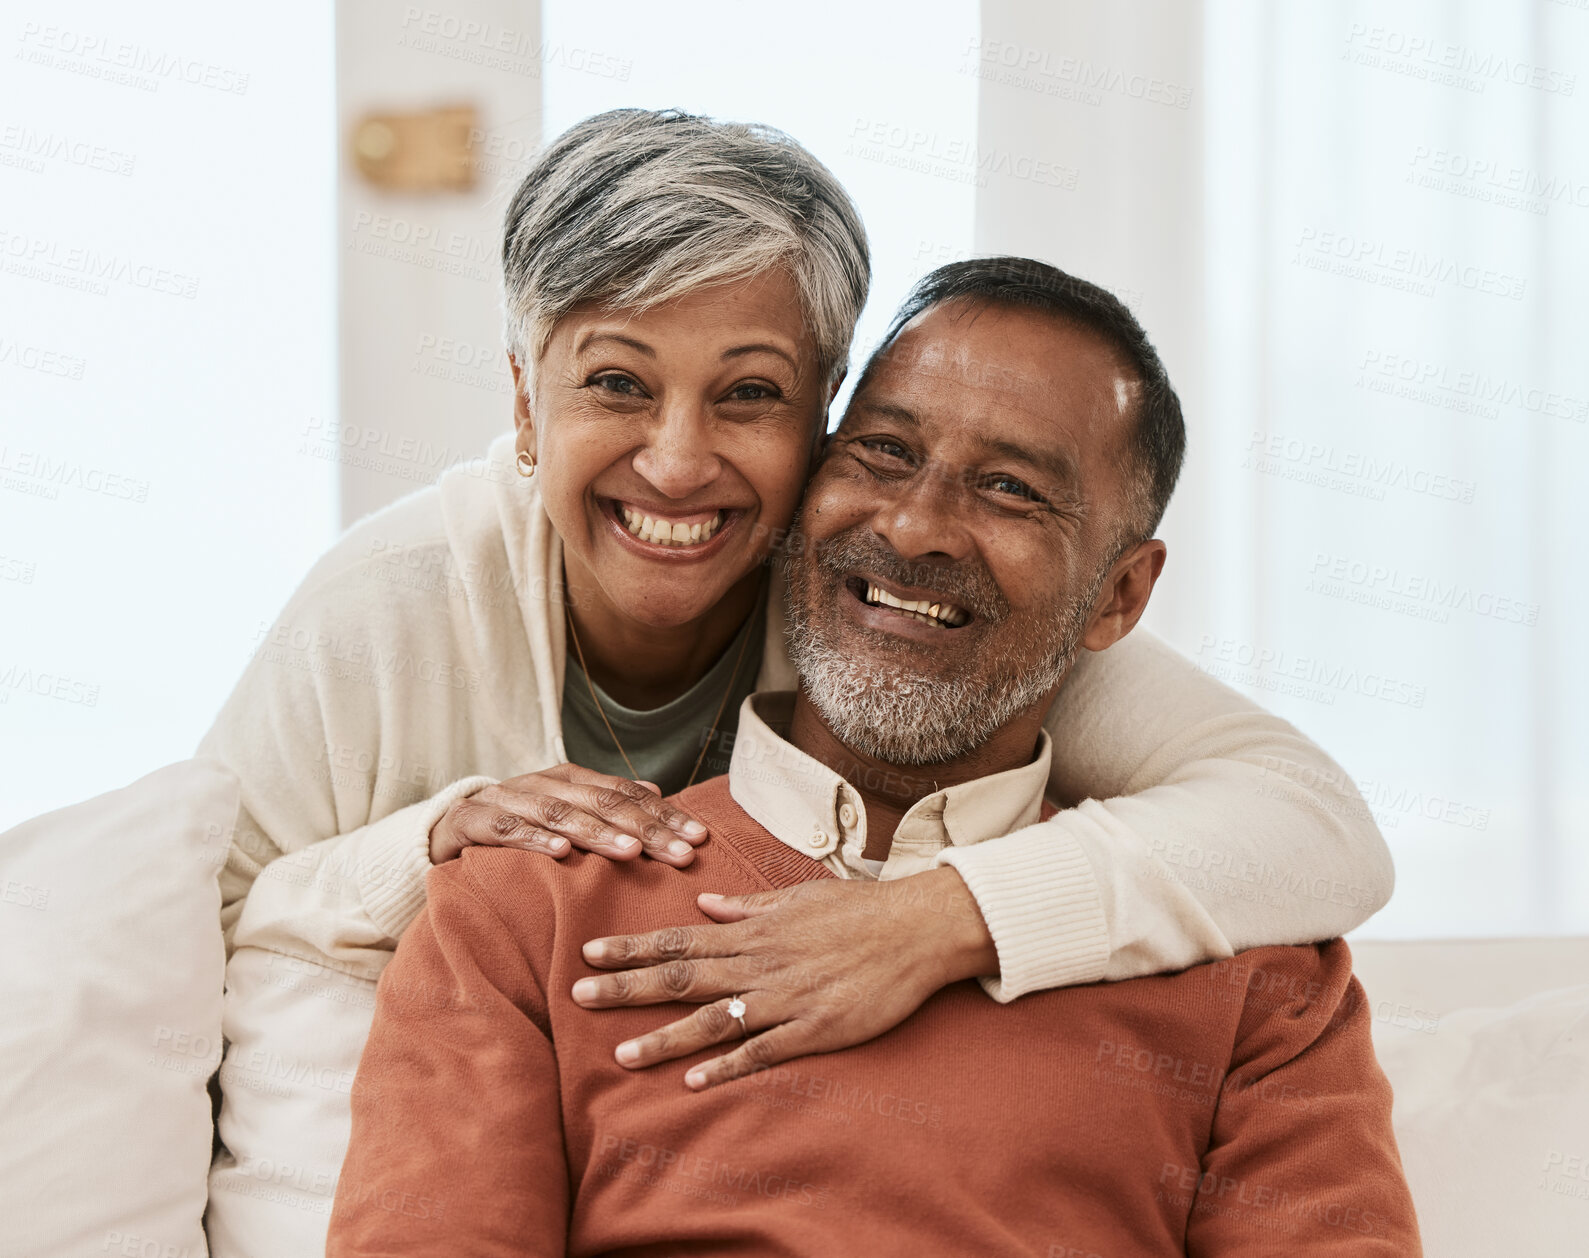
663,743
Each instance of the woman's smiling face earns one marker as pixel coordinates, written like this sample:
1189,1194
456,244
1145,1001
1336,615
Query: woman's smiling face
673,444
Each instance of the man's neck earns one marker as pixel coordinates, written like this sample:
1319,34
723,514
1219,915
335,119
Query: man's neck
890,791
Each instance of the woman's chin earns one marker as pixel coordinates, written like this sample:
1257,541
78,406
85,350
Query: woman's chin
666,609
668,588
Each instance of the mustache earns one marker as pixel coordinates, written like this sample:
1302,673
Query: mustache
967,585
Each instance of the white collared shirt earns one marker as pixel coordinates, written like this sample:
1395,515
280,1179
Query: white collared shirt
816,811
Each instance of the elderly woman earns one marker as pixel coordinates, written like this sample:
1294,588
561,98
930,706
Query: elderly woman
545,644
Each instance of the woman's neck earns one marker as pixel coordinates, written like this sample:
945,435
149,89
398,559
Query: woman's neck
643,666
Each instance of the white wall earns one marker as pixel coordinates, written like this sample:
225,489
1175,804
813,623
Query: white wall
425,380
166,288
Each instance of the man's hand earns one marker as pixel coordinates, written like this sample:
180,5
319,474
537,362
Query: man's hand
820,966
544,812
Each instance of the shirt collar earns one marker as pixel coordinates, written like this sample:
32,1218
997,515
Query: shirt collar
805,804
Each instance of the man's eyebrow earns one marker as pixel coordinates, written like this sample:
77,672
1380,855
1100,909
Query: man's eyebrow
590,338
1057,465
888,410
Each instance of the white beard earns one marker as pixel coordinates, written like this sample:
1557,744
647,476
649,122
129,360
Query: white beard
900,717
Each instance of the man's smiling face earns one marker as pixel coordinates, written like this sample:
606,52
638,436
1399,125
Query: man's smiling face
959,531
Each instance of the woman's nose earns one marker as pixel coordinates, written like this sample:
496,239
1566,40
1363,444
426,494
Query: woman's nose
678,458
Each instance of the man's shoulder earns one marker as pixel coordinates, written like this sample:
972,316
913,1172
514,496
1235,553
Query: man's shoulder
531,892
1295,987
1312,973
507,892
511,882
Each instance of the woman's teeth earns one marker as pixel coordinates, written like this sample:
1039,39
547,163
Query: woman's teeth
932,613
661,532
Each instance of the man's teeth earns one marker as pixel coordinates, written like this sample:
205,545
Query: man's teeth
668,532
932,613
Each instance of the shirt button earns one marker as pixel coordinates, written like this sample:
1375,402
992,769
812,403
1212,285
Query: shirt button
847,816
818,839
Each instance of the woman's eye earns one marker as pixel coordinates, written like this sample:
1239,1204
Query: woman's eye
625,386
752,393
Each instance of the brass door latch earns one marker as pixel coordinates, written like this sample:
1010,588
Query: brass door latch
418,152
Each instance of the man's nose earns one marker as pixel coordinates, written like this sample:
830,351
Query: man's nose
927,516
677,457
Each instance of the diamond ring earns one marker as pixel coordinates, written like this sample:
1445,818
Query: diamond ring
736,1011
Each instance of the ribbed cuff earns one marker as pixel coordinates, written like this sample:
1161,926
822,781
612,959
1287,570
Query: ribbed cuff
1042,904
394,858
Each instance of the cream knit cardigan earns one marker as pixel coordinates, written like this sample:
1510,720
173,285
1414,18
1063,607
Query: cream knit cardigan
422,658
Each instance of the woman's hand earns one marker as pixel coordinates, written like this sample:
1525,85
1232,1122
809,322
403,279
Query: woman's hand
820,967
546,811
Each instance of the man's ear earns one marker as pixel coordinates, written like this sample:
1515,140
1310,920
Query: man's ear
523,421
1124,596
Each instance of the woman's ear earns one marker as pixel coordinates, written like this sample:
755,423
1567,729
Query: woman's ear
523,421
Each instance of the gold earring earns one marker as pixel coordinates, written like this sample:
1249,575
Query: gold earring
525,463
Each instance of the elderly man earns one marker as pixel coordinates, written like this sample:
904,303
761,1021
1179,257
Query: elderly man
984,511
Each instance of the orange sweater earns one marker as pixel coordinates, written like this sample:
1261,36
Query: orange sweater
1231,1109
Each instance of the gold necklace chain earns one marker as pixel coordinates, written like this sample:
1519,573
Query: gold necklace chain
613,734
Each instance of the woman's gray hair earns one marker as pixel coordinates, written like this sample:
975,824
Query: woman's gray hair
635,207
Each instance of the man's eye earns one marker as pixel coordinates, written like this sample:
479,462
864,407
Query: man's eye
886,447
1010,487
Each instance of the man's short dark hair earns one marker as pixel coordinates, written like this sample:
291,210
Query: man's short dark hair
1158,444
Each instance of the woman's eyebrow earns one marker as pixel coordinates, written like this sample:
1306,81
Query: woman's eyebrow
739,351
590,338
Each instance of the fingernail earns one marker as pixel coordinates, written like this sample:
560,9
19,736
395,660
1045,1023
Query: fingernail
692,827
585,989
626,843
557,845
679,848
594,950
628,1052
695,1079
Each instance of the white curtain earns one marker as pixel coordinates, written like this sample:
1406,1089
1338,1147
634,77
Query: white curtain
1396,240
